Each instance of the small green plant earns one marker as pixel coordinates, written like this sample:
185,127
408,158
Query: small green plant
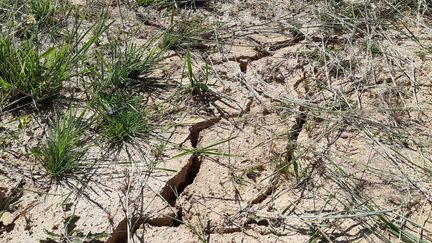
333,59
10,133
48,12
3,143
29,73
422,55
9,198
149,2
130,65
342,66
209,150
200,228
64,148
251,172
296,29
341,15
128,69
159,150
280,166
373,47
196,86
360,16
69,233
122,120
28,18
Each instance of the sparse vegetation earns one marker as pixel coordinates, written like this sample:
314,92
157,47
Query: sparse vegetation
9,199
170,3
292,121
122,118
196,86
68,232
27,72
64,148
188,34
129,67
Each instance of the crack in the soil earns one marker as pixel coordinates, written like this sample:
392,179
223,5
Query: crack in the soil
295,131
170,192
264,195
258,221
7,199
268,49
239,228
263,52
177,184
198,127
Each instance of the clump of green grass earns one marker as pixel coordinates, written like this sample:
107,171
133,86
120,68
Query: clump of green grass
135,61
127,72
63,150
48,12
29,72
130,66
122,119
25,71
197,89
28,17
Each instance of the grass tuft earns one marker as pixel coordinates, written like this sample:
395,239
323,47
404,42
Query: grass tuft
196,86
28,72
129,68
122,120
63,150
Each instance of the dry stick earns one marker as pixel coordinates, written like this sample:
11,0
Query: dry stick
362,198
343,215
239,226
421,187
423,227
243,81
308,223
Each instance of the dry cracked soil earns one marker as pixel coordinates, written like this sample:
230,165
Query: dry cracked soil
313,127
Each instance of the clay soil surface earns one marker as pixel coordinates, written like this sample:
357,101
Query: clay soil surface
254,121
